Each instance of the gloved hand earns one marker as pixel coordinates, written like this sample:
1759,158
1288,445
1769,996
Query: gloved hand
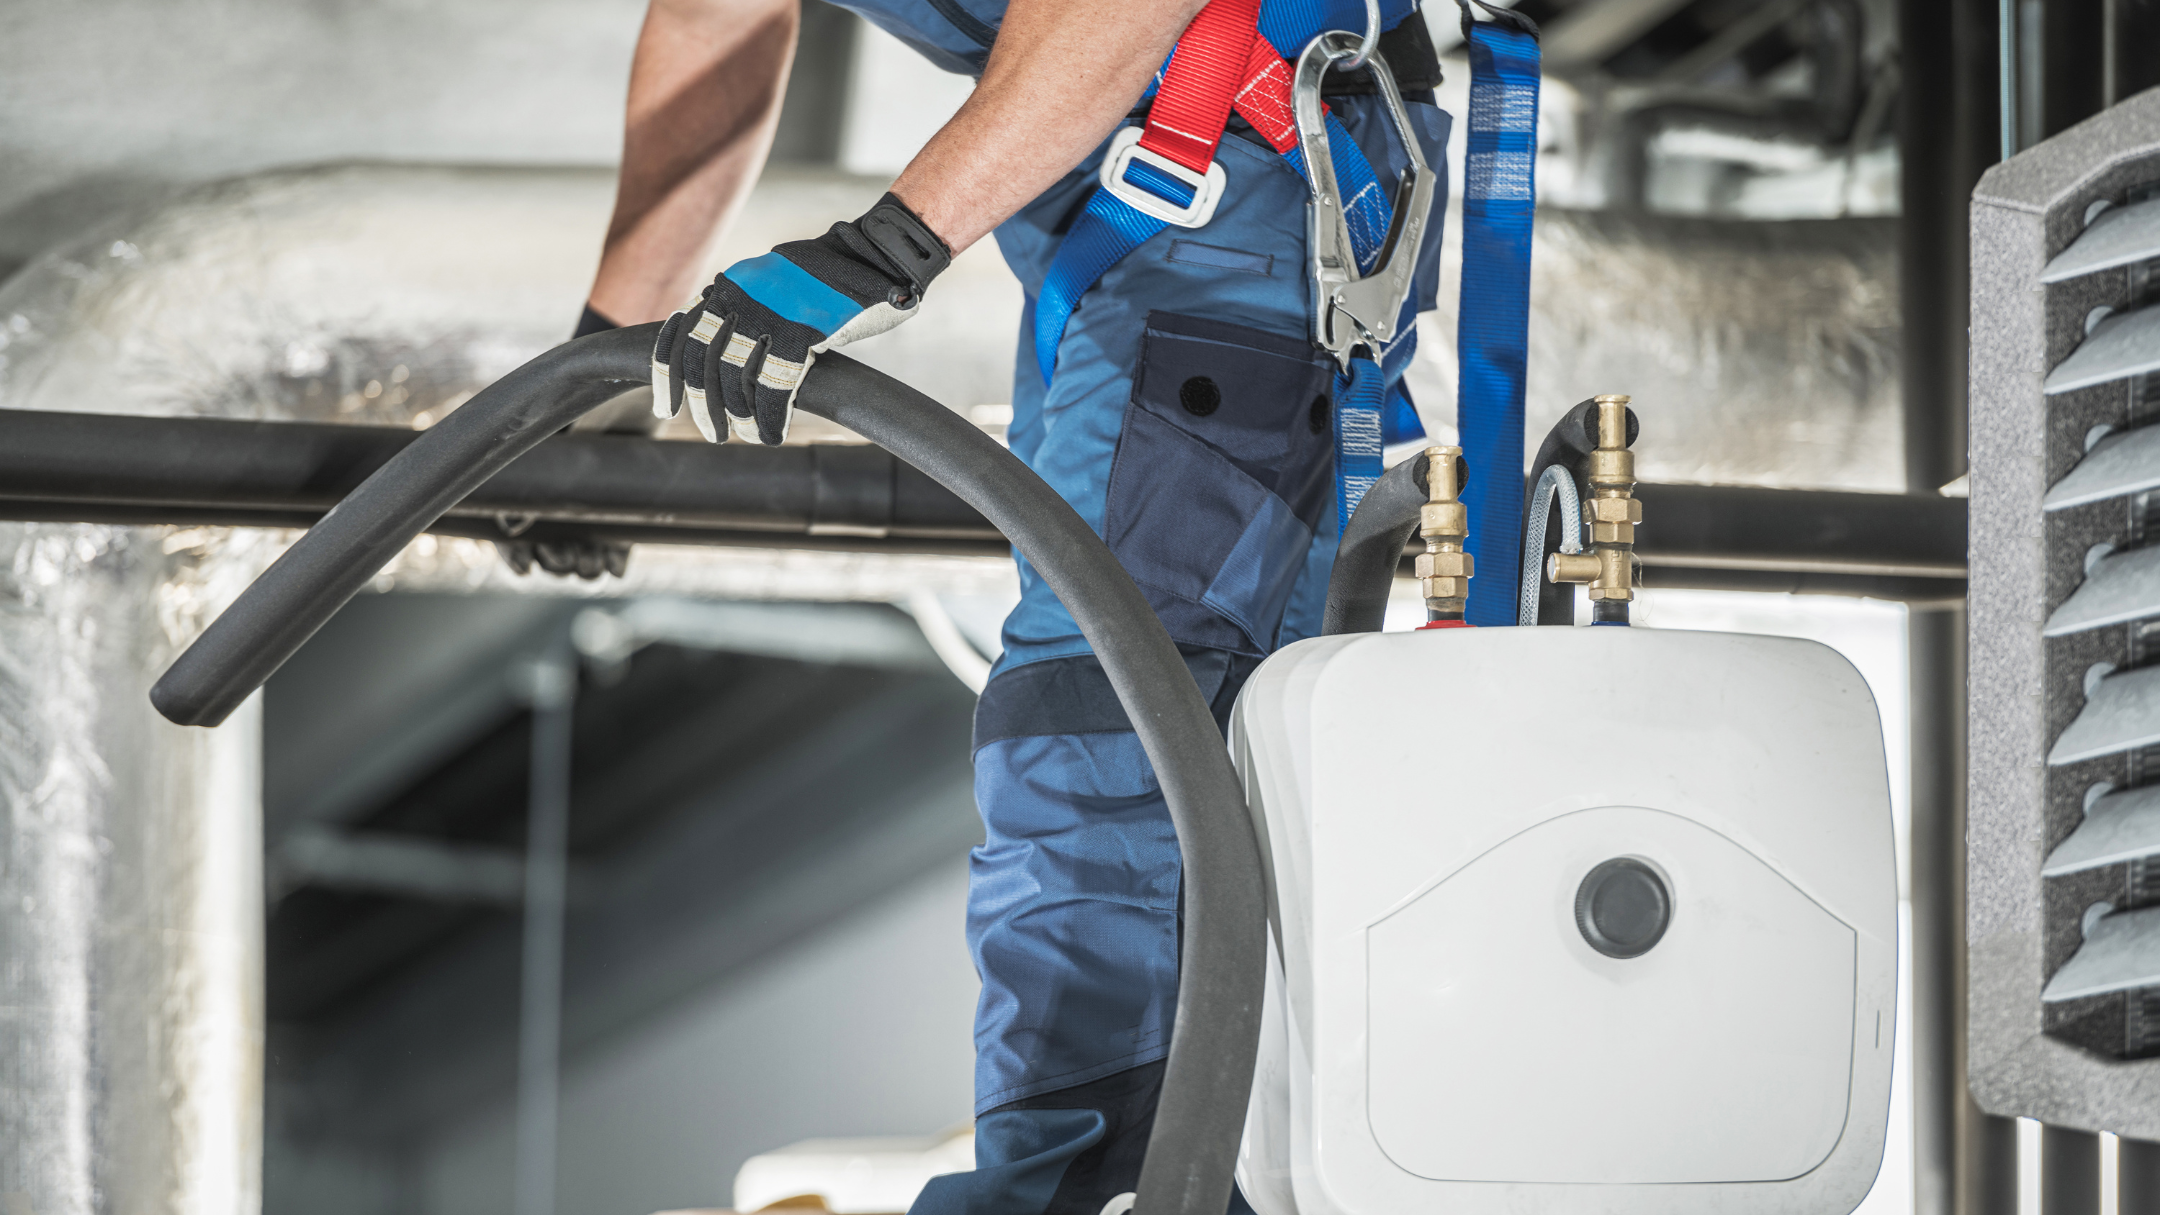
563,551
753,335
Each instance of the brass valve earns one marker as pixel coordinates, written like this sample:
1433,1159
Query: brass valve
1444,569
1610,514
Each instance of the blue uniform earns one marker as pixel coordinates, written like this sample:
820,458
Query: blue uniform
1189,421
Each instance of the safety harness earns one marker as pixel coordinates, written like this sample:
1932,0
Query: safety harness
1165,174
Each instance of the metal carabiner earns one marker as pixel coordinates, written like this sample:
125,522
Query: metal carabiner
1372,38
1350,309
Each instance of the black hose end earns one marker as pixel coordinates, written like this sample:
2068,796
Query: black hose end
325,568
1578,429
182,705
1421,466
1371,548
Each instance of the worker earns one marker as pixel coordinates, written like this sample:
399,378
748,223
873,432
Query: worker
1171,391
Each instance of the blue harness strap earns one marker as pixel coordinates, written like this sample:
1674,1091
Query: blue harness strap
1493,326
1372,411
1105,232
1360,396
1109,228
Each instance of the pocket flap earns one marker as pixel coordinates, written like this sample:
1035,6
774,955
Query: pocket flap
1257,397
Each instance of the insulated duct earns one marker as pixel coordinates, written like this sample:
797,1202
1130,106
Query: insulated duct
131,928
131,1018
131,1013
1759,352
387,294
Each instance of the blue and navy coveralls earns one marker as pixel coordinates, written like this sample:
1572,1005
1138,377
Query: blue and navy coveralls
1189,422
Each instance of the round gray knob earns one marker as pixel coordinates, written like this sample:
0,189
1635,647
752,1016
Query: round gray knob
1623,908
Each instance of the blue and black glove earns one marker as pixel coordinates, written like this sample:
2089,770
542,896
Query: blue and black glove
752,336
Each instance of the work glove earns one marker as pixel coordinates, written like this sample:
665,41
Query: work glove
752,336
587,557
567,552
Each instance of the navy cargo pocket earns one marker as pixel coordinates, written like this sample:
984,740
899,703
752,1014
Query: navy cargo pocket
1222,472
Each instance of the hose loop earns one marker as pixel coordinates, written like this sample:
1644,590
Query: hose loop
1555,482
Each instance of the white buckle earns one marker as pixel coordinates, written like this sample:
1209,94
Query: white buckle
1207,188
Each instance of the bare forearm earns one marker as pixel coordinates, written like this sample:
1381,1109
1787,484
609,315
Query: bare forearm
704,99
1063,73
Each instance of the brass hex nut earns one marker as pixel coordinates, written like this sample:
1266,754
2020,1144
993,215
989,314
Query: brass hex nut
1446,588
1612,533
1444,565
1611,510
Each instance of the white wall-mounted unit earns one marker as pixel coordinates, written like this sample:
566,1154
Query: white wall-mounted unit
1595,920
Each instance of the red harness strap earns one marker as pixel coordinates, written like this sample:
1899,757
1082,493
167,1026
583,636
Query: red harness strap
1221,64
1264,100
1212,59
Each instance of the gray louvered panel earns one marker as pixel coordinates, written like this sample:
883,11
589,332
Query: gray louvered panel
2123,345
2122,714
2120,827
2117,237
2027,679
2125,463
2120,588
2121,953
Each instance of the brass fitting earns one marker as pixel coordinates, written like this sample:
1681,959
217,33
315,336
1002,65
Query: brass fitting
1443,569
1610,513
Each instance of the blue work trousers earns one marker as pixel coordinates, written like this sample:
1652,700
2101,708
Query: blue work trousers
1190,422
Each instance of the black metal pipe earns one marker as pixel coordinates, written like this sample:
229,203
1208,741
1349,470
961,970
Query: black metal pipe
985,543
1908,535
2133,31
102,468
1987,1159
2069,1172
1918,592
2137,1176
300,470
1965,1160
2073,63
1949,132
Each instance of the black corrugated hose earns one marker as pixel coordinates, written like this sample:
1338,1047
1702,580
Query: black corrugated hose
1201,1114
